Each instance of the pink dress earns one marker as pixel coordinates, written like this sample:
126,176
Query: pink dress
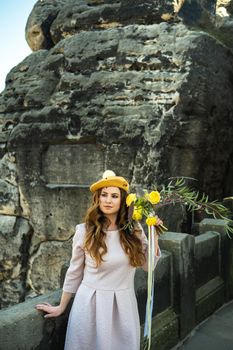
104,314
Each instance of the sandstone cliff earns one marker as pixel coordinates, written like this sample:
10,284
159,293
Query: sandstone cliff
143,88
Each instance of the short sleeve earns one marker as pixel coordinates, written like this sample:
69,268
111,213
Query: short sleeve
74,273
145,251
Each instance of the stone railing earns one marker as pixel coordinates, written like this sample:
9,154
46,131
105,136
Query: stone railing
193,278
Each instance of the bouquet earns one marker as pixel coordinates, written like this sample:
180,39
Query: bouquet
145,207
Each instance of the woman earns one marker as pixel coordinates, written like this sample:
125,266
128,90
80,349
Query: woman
104,314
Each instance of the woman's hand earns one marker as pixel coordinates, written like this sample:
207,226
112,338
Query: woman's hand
158,221
51,311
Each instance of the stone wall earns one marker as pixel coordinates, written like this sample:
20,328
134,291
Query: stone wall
143,88
193,279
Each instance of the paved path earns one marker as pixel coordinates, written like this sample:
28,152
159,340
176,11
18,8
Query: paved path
216,333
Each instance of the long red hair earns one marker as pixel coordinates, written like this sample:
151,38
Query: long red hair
95,236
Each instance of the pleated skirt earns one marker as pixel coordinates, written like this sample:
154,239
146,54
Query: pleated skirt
103,320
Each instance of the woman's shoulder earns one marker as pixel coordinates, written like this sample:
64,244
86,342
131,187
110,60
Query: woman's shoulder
80,227
80,231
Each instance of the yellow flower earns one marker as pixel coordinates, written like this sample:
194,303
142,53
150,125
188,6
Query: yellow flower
137,214
153,197
151,220
130,199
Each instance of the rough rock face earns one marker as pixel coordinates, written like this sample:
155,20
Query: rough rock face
224,22
38,25
15,236
133,89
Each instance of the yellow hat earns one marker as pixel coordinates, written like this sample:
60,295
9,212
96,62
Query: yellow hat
110,179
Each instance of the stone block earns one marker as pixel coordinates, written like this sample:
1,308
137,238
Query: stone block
181,246
208,278
73,164
56,211
207,257
215,225
163,287
163,292
209,298
24,328
165,330
225,253
45,265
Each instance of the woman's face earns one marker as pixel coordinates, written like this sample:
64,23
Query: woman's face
110,200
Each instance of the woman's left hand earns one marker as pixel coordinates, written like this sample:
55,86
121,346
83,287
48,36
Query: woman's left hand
159,221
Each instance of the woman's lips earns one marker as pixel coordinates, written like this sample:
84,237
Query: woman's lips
107,207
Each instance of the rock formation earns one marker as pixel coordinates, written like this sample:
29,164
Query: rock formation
143,88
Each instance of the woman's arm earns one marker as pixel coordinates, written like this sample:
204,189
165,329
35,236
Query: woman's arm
73,276
55,311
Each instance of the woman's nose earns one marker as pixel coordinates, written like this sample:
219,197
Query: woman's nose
108,199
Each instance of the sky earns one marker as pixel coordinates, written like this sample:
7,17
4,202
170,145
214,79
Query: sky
14,48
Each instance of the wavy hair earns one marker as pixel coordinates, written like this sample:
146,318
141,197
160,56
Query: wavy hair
95,236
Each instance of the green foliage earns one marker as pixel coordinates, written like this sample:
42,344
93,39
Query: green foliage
178,192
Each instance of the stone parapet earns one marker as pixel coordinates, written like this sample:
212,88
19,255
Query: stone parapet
23,328
181,247
189,286
225,252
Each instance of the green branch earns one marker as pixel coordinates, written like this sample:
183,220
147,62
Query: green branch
179,192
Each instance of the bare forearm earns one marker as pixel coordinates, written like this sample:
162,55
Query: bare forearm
55,311
156,245
65,299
